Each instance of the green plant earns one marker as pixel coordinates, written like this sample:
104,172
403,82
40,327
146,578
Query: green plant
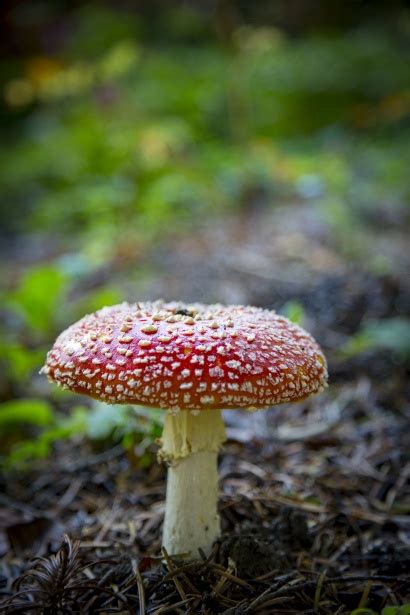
294,311
37,296
404,609
390,333
25,411
38,414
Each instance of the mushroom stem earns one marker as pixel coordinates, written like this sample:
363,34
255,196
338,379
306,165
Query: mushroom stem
190,446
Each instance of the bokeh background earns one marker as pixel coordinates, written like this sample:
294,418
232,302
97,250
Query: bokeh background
216,151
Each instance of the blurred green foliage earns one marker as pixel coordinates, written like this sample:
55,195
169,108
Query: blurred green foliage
37,297
135,427
18,454
122,422
134,137
390,333
404,609
132,426
294,311
113,144
25,411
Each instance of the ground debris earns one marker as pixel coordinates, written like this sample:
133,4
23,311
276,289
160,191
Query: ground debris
314,502
326,532
62,583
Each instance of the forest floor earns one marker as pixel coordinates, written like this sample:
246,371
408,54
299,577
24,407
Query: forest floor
312,496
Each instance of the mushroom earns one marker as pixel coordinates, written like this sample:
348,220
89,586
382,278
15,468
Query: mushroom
193,361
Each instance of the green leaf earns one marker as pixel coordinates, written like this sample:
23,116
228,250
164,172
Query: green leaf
103,420
294,311
96,300
19,360
404,609
38,296
127,424
32,411
390,333
28,450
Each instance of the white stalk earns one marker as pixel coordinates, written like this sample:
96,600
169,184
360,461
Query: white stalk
190,446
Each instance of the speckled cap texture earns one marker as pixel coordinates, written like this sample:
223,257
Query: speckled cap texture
187,357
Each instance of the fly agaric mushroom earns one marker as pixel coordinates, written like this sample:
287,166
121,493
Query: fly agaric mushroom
193,361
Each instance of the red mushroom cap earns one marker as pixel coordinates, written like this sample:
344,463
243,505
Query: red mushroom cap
193,357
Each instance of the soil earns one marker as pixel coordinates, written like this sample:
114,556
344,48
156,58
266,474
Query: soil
256,551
